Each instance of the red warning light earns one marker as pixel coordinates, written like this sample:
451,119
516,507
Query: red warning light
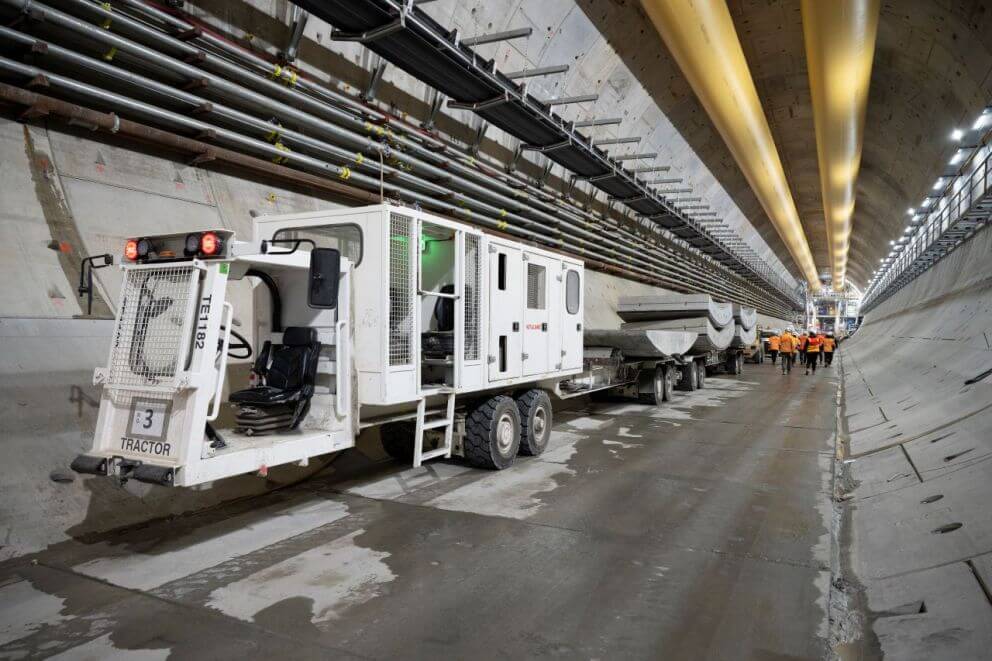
131,249
210,243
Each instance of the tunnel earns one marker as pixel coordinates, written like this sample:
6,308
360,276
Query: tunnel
603,329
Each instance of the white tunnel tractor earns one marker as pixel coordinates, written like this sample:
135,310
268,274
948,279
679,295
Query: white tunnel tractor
448,339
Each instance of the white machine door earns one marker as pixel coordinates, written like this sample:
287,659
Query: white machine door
541,328
571,314
505,311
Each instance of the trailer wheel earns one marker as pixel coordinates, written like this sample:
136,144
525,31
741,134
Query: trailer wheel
701,376
740,364
652,387
397,440
690,376
535,421
492,433
731,364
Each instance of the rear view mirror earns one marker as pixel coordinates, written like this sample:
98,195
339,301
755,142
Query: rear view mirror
325,267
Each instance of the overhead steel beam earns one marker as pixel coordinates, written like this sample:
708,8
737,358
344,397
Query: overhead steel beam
610,121
563,100
635,157
537,71
616,141
506,35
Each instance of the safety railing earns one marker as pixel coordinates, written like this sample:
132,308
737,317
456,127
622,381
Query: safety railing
963,209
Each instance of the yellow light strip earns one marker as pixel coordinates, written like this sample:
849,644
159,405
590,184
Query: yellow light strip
840,47
700,35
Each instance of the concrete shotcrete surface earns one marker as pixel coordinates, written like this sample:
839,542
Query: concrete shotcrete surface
701,529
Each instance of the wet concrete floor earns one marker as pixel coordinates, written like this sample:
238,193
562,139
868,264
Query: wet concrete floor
698,530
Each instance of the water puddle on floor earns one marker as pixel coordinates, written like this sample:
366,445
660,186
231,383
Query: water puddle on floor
333,576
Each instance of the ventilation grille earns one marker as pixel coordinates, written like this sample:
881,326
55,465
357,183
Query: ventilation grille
154,319
400,290
535,287
473,275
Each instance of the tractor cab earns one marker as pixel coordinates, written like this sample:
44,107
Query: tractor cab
227,357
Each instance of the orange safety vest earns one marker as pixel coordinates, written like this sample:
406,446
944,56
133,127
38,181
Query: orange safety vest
828,344
773,343
787,343
813,344
803,339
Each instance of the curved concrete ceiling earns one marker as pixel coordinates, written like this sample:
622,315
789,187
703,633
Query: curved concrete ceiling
932,73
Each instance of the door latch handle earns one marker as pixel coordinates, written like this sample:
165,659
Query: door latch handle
516,326
544,327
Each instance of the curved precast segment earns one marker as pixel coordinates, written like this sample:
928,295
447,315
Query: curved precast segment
675,306
745,316
642,343
743,337
708,336
840,47
702,39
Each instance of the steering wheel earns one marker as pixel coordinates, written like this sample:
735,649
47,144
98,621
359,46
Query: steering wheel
240,345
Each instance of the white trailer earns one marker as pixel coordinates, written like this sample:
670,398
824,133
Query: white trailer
448,338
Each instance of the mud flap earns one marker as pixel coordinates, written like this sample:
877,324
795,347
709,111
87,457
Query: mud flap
153,474
85,464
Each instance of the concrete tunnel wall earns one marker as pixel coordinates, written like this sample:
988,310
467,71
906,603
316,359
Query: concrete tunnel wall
918,417
67,196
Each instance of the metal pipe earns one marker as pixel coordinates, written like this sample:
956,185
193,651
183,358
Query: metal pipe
840,48
638,251
287,76
537,71
597,122
702,39
615,141
496,36
635,157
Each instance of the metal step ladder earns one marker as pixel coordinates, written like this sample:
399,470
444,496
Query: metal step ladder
424,424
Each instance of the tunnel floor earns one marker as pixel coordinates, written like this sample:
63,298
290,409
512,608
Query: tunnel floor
697,530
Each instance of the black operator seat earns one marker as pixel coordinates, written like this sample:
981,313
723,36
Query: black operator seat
288,372
441,342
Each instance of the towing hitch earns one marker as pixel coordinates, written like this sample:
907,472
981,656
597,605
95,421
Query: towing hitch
126,470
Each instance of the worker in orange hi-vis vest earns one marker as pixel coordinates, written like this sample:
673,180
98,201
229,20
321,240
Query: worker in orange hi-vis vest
812,352
787,346
773,347
829,343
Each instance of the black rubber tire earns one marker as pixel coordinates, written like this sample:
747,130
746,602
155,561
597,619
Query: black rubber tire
480,446
651,388
740,364
397,440
532,403
700,375
669,385
689,380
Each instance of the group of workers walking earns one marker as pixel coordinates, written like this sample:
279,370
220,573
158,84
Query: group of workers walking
809,347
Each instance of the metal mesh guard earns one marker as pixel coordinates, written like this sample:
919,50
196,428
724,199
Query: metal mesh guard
400,290
152,322
473,275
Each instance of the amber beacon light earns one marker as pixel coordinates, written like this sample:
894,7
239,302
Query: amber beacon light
702,39
840,47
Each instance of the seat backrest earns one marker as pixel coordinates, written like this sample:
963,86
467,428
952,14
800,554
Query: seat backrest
294,362
444,310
